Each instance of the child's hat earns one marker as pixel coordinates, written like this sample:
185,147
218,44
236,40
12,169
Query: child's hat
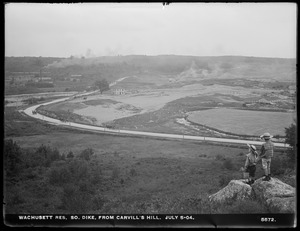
252,147
266,135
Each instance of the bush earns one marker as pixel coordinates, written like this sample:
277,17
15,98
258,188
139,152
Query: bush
86,154
59,175
43,156
79,169
291,139
12,158
70,154
75,201
220,157
277,167
225,179
228,164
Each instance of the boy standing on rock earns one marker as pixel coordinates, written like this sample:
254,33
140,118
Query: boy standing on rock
250,164
266,154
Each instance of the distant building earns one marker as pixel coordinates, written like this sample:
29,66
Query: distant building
75,78
264,101
119,91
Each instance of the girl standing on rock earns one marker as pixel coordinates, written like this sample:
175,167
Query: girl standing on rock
250,164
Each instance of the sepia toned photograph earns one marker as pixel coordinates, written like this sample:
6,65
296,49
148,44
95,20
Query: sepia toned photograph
150,115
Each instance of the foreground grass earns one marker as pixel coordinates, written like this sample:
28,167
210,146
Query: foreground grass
137,175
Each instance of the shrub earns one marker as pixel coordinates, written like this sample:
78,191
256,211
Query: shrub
86,154
12,158
63,157
70,154
59,175
220,157
228,164
225,179
33,159
79,169
291,139
277,167
43,156
74,200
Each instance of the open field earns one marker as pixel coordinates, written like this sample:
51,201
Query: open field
244,121
141,175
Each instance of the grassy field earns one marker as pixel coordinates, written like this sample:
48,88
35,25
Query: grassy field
139,171
243,121
151,176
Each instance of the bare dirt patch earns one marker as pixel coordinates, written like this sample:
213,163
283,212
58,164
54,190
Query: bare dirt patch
108,107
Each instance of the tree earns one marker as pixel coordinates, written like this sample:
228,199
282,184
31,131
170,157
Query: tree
12,158
39,64
290,133
102,85
70,154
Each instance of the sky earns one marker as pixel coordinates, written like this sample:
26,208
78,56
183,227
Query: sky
197,29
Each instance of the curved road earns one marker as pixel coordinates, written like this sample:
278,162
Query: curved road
29,112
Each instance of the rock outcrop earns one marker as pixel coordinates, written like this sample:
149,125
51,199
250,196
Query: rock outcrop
235,190
275,194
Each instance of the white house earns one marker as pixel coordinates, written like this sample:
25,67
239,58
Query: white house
119,91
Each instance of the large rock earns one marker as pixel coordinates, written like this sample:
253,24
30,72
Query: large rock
276,195
282,205
235,190
273,188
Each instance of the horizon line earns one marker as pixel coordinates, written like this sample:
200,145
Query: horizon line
121,55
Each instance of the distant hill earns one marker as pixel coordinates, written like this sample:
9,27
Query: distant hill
27,64
181,67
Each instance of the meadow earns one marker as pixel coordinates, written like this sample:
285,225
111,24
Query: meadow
125,174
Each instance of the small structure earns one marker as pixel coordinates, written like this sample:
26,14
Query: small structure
75,78
264,101
119,91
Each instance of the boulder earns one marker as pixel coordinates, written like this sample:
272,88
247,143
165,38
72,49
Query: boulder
282,204
275,194
278,196
235,190
273,188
